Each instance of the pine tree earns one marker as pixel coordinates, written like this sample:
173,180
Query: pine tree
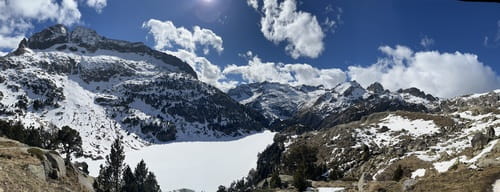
110,175
151,185
141,173
71,142
129,181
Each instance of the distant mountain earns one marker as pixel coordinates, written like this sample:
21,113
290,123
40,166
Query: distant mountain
274,100
106,88
316,107
374,140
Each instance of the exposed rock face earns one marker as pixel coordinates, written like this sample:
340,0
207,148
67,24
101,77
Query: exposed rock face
376,88
417,93
25,168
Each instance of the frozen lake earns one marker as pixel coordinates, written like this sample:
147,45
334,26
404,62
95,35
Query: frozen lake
201,166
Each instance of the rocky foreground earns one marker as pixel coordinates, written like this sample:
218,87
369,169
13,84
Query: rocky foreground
26,168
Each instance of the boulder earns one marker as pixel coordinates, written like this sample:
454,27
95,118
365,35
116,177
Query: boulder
38,171
57,167
479,140
490,133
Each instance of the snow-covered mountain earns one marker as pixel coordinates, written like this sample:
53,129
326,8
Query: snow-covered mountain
106,88
315,107
274,100
453,147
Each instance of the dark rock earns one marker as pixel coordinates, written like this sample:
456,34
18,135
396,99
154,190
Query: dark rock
417,93
491,133
479,140
21,49
376,88
48,37
383,129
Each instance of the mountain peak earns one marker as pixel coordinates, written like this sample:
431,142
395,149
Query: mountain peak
350,88
82,40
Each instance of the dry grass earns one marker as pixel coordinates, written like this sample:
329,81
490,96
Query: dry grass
462,179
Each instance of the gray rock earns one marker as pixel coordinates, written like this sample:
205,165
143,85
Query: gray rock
38,171
408,184
479,140
57,166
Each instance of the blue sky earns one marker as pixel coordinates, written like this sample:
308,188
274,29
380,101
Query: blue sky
357,32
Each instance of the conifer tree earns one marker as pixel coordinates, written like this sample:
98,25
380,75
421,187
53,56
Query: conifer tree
129,181
110,175
71,142
151,185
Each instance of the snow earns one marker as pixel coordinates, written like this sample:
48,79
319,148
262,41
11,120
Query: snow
442,167
414,127
418,173
496,186
201,166
483,152
330,189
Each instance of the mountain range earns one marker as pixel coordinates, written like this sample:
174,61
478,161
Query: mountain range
347,137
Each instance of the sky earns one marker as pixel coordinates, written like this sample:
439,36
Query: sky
444,47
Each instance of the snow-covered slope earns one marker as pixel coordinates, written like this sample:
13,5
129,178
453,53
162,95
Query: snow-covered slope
276,101
108,88
316,107
457,145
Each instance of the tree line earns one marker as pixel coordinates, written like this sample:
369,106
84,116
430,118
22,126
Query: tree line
65,139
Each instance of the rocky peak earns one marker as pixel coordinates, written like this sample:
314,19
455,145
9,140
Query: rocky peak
417,93
376,88
21,48
85,36
61,38
48,37
350,89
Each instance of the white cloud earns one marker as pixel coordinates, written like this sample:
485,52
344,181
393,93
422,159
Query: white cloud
17,16
293,74
254,4
97,4
166,35
10,42
301,30
441,74
206,71
3,53
426,42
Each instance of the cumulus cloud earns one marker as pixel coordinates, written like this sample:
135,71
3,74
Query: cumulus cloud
207,72
293,74
166,35
97,4
441,74
426,42
282,22
254,4
17,16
